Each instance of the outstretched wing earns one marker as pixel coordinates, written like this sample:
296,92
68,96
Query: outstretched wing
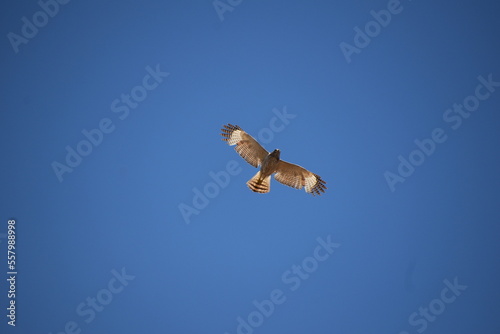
246,146
298,177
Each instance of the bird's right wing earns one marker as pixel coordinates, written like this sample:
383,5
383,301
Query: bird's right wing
246,145
298,177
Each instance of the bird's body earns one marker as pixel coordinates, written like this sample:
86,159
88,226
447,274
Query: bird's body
284,172
261,182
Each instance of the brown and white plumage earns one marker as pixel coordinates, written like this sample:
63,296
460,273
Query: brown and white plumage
298,177
286,173
246,145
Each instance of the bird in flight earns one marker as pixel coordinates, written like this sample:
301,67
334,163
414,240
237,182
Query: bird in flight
284,172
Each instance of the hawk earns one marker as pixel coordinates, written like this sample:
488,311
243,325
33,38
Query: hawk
284,172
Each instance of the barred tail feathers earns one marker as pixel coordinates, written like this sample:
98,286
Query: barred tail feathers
259,184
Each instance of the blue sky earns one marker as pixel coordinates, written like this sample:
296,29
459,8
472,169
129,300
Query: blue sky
110,131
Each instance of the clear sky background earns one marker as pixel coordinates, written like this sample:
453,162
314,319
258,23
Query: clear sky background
124,243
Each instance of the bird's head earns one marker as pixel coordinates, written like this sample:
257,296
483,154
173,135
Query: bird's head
275,153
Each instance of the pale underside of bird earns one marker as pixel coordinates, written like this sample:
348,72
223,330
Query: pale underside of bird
284,172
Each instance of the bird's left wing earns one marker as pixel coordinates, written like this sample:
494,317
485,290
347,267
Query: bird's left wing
246,145
298,177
